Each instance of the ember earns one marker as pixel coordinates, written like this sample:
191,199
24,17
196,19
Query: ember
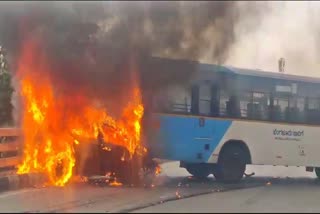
115,183
158,170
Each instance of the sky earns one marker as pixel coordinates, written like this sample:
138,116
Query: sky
289,30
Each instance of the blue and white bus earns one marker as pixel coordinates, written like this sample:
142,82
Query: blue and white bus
227,117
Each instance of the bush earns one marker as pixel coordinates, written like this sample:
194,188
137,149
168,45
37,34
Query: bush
6,91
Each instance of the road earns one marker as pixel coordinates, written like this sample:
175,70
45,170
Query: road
270,190
289,189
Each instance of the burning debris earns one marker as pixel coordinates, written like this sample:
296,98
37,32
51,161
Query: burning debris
58,121
115,183
178,195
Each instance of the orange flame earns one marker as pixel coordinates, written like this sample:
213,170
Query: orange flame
51,128
158,170
115,183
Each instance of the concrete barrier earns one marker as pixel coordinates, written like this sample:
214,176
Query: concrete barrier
10,157
13,182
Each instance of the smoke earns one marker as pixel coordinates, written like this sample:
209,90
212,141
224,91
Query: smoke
289,30
98,47
103,35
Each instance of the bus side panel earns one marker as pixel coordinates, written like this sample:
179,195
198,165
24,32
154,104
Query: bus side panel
258,136
274,143
182,138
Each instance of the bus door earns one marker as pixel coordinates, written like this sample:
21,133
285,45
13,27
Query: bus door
203,125
203,138
289,146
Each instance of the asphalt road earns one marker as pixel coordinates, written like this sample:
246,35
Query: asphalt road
270,190
285,189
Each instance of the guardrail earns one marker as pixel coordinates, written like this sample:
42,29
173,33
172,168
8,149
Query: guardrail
10,148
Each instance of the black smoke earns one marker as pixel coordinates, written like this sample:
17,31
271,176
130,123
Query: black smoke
94,45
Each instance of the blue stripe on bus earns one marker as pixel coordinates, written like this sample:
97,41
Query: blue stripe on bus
181,138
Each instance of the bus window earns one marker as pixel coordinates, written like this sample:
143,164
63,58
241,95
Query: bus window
180,99
160,102
233,106
280,105
245,100
313,104
301,108
223,103
205,99
312,111
174,99
258,107
294,112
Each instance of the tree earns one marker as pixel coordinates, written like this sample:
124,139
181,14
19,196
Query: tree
6,91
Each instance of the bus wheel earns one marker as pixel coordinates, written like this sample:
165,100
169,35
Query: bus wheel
231,165
317,171
199,170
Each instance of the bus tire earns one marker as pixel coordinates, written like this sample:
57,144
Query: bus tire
231,165
199,170
317,171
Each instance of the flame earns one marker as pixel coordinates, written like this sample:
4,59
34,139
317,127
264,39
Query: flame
178,194
115,183
51,127
158,170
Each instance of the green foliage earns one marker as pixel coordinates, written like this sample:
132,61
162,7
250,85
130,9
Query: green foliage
6,91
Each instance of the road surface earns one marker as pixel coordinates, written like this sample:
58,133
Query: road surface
175,191
290,189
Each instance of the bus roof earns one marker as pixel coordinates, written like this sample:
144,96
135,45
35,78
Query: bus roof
239,71
257,73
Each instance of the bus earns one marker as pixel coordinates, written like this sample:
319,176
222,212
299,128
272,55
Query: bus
224,118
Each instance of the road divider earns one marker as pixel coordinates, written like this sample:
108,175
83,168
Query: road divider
10,156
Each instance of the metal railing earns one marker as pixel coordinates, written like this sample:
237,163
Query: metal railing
10,148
